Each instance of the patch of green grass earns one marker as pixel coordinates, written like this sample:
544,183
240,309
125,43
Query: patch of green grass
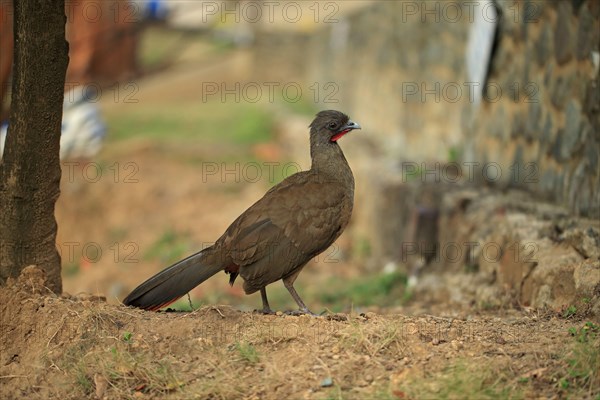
124,370
570,311
383,289
460,380
83,380
374,290
237,123
588,332
247,352
127,337
579,309
582,377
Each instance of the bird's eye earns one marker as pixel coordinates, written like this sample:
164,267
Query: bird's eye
332,125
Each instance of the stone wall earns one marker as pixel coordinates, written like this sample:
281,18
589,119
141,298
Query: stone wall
546,133
506,249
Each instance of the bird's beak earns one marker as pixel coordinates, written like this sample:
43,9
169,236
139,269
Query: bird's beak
351,125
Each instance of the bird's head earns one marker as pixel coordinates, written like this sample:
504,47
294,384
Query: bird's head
331,125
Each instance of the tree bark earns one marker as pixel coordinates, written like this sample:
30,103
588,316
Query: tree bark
6,53
30,169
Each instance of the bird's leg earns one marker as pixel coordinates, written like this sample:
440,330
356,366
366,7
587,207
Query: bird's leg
303,309
266,308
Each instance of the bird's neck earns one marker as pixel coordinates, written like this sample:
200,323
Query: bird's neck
328,161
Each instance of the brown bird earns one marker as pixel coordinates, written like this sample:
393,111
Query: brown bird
273,239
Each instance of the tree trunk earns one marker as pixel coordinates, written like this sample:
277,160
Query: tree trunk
6,53
30,169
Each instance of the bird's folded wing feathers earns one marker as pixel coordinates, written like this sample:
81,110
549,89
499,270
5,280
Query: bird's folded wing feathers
306,214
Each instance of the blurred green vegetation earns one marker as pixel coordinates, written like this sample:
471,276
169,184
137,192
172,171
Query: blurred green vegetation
343,295
247,352
362,249
161,46
70,269
169,247
304,106
336,295
385,289
157,45
195,120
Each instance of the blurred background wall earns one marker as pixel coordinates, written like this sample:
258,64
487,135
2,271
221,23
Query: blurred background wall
375,53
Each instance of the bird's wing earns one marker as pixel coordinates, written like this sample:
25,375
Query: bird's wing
302,211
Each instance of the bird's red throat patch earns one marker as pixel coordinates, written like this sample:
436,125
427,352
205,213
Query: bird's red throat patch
337,136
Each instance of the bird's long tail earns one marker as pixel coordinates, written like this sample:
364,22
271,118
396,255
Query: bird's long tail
175,281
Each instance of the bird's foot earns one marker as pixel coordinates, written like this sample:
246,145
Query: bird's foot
302,311
264,311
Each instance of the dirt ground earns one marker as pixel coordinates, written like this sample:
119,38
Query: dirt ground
151,206
81,347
